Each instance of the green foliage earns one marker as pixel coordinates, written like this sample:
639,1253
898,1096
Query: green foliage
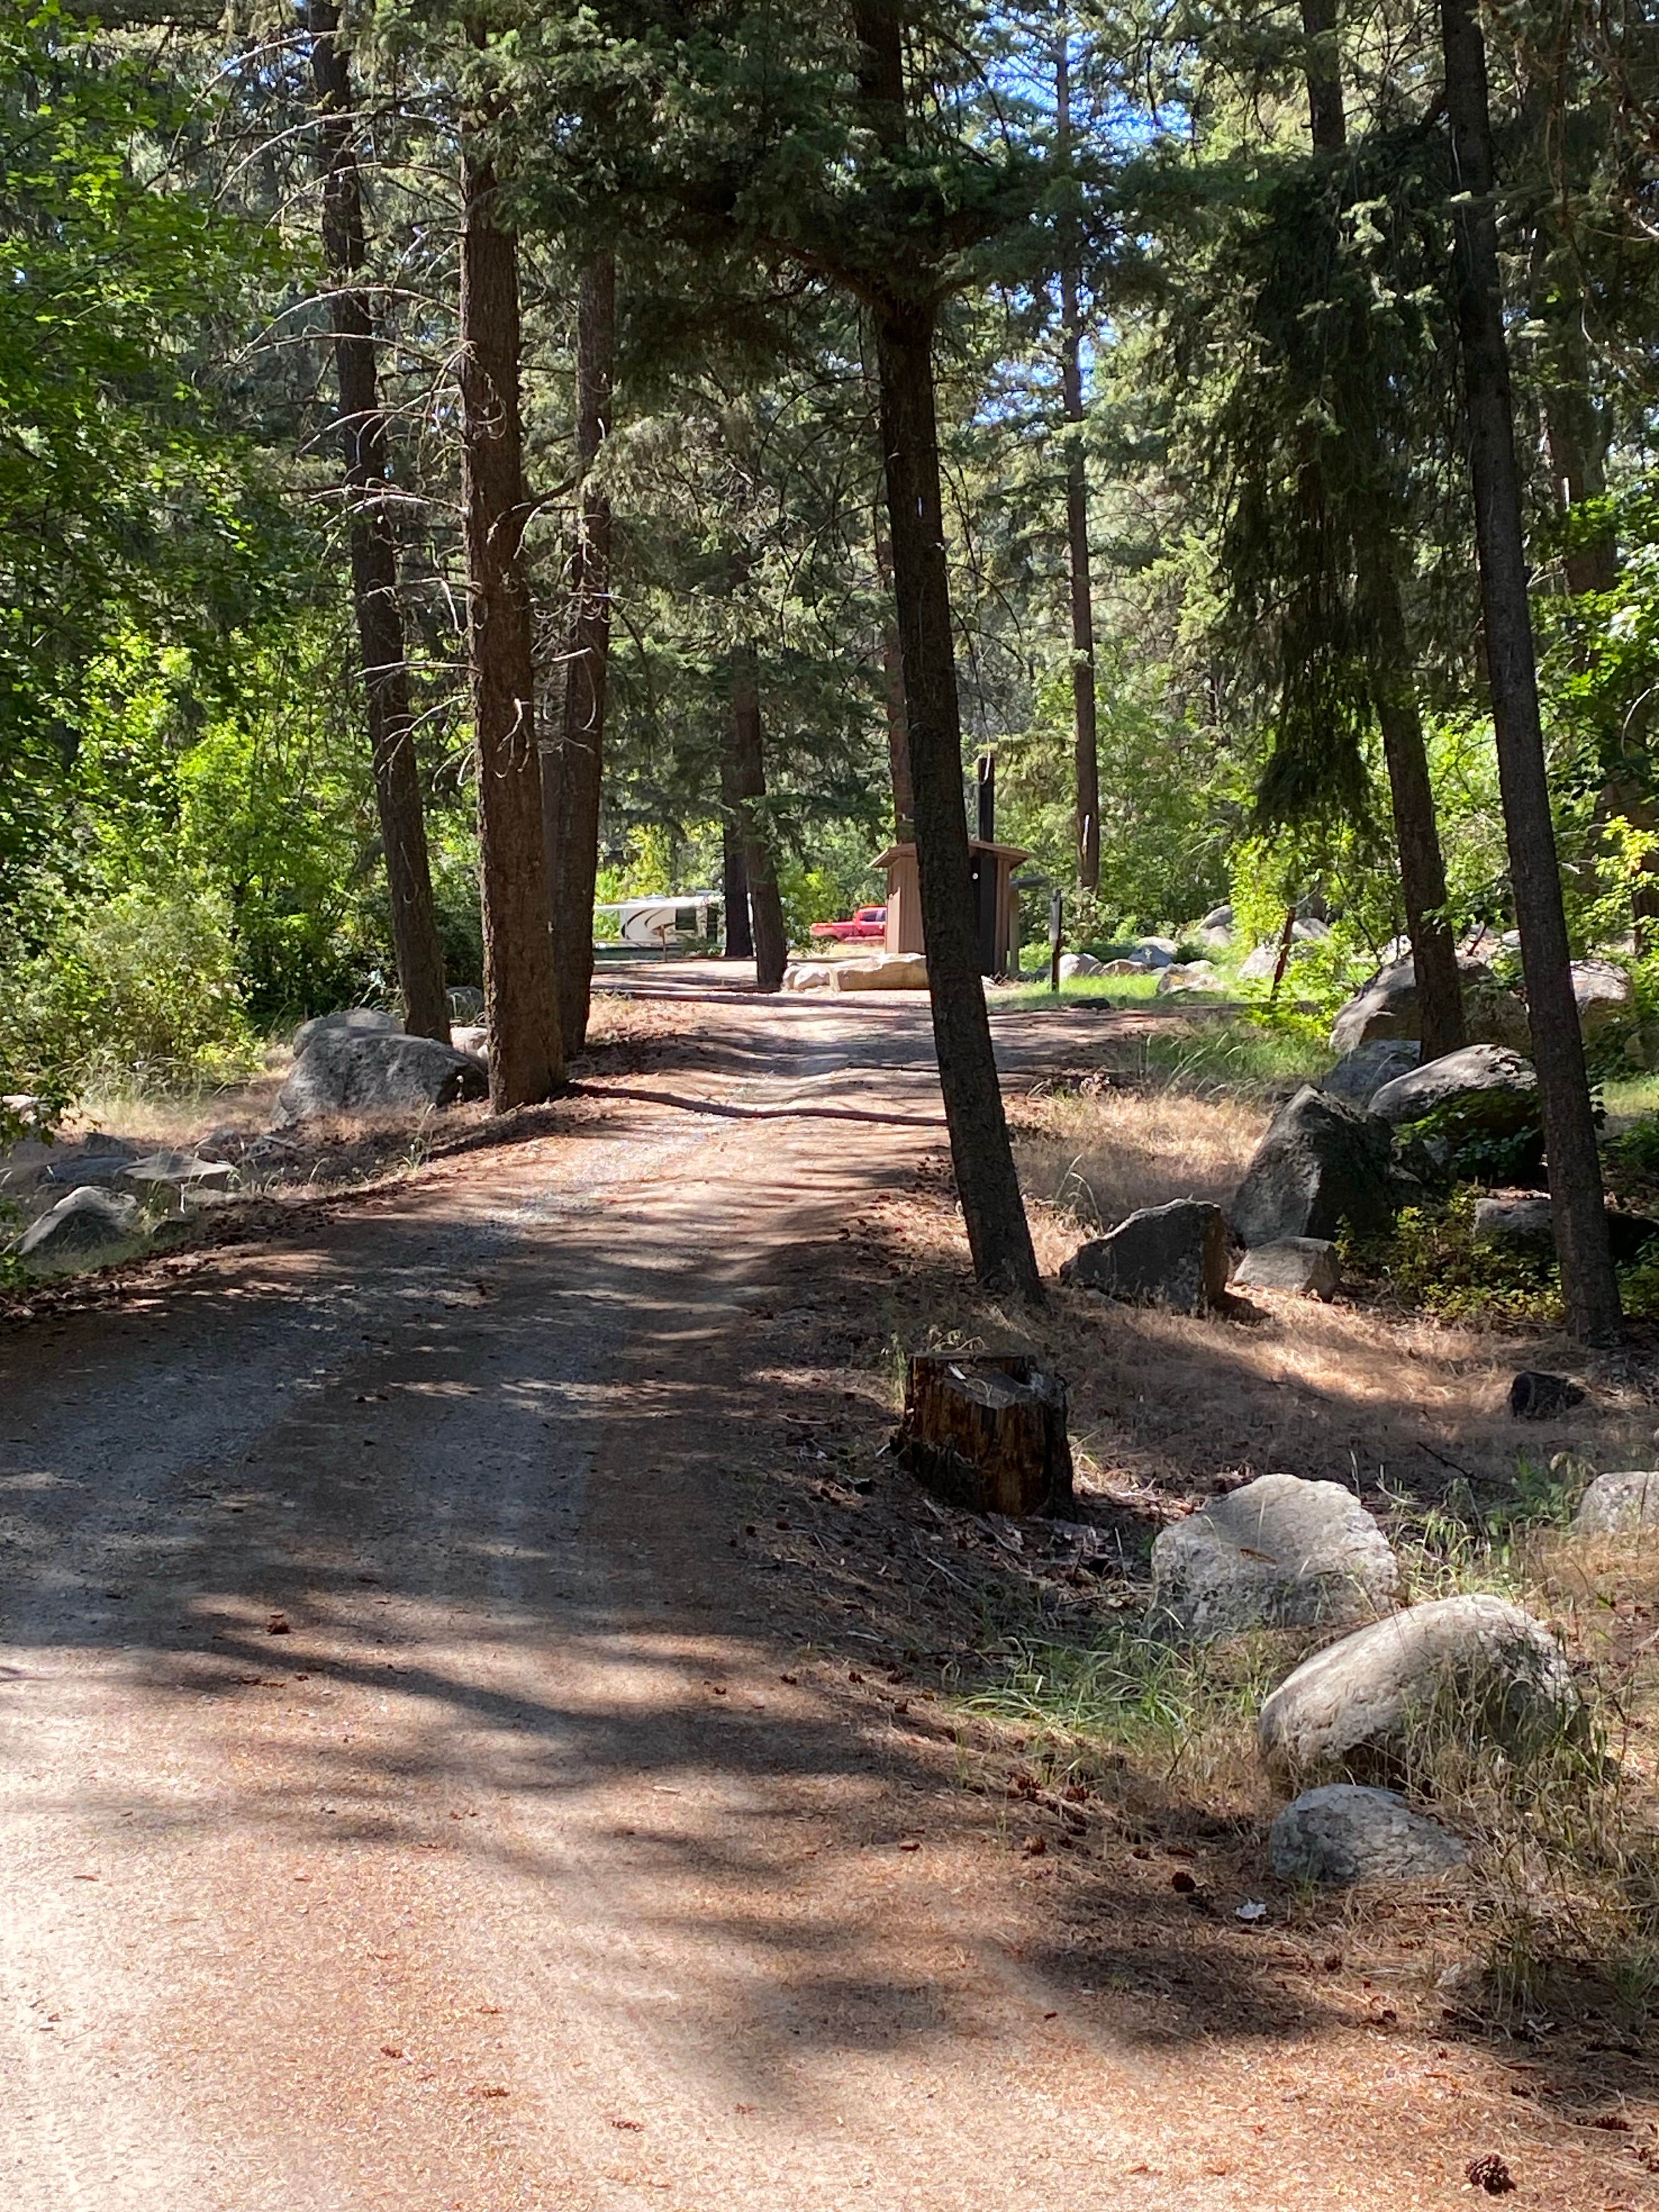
1248,1052
1128,1687
123,504
140,991
1431,1263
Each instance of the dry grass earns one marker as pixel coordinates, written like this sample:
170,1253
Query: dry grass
1096,1159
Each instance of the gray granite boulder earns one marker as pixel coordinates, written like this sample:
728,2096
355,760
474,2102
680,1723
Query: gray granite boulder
1171,1255
1344,1833
1305,1265
1485,1087
1280,1553
373,1074
1360,1074
1073,964
85,1221
1319,1166
1515,1224
1617,1503
1156,951
1258,965
1474,1664
1603,993
1388,1007
351,1021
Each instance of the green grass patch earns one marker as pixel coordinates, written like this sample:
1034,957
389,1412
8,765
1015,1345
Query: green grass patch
1126,1691
1244,1053
1102,991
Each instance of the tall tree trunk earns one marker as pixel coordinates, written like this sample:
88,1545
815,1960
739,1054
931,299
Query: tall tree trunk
526,1062
739,944
1077,512
892,659
573,842
892,669
1392,685
1589,1285
416,942
998,1236
747,765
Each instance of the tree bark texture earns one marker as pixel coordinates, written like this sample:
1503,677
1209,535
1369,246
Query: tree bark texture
521,1013
573,846
1392,685
416,945
892,669
1085,726
986,1433
993,1212
747,783
740,942
1590,1287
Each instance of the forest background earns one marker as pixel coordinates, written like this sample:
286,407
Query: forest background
191,855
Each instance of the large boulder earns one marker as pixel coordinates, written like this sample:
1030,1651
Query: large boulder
1616,1504
1307,1267
1388,1007
1170,1256
1189,976
885,972
1344,1833
1073,964
376,1073
1475,1665
85,1221
1320,1167
1360,1074
351,1021
1484,1088
1156,951
1119,967
1257,966
1280,1553
1218,917
1515,1225
1602,992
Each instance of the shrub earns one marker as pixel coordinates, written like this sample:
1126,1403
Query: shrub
139,991
1431,1263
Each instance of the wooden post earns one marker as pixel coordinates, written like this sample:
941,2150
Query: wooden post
986,1432
1056,924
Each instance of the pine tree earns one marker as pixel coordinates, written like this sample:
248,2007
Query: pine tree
416,942
1588,1283
526,1060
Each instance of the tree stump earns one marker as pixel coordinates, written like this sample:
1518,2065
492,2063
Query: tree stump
987,1431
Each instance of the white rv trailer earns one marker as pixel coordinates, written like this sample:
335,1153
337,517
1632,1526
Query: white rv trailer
688,917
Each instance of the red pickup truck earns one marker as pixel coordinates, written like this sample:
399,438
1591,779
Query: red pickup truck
869,921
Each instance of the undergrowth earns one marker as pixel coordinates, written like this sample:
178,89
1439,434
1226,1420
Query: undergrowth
1430,1263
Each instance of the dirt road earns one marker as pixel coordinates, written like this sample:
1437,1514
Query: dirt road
406,1799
